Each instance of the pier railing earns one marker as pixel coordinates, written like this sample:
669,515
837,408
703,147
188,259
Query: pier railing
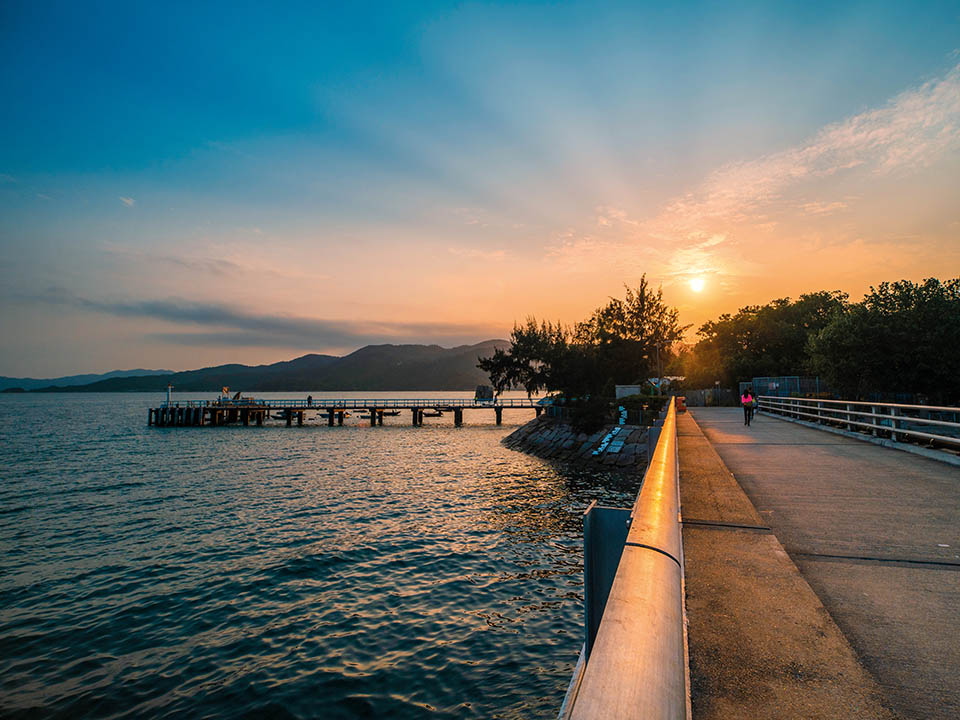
637,665
896,421
359,403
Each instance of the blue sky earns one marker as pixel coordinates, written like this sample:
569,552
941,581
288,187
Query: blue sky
431,172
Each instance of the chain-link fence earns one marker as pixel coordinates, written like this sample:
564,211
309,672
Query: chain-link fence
785,386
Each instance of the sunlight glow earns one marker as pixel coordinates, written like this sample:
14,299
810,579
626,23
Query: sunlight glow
696,284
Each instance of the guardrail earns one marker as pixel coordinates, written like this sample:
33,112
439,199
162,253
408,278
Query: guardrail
636,667
360,403
896,421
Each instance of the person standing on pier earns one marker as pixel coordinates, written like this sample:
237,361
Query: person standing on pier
747,401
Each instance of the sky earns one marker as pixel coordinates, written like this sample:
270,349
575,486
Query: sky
188,184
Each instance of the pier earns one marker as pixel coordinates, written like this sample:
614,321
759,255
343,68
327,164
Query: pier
252,411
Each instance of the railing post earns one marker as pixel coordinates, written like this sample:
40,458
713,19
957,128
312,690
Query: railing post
849,408
893,422
873,419
819,413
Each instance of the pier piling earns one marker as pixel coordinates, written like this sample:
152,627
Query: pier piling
246,411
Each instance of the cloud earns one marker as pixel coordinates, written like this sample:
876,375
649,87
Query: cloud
4,178
226,325
608,216
576,252
128,201
822,208
476,254
916,128
213,264
205,265
736,209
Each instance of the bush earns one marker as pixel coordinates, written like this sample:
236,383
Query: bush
590,415
643,409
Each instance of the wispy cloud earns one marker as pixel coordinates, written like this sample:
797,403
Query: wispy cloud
204,265
704,230
221,324
823,208
128,201
212,261
477,254
913,130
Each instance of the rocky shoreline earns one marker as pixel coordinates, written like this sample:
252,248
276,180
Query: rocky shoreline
554,439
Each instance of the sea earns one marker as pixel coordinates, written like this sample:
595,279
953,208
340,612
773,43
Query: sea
275,572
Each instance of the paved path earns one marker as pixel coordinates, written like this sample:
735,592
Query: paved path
762,645
876,534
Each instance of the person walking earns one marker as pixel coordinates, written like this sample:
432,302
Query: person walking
747,401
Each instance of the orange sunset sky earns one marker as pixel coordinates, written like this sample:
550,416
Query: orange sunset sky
181,194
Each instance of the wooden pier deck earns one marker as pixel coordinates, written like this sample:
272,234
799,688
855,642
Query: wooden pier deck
247,411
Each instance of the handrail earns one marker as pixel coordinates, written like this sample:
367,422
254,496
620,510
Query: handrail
636,668
847,416
939,408
654,522
360,403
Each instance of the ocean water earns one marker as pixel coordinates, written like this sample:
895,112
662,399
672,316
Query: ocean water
314,572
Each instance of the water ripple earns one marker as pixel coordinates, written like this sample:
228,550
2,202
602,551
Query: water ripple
283,573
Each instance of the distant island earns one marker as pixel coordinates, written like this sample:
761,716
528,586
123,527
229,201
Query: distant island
374,367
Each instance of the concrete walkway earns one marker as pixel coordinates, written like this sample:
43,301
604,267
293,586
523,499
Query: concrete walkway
876,534
762,646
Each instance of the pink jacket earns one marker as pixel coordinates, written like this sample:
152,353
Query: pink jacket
746,399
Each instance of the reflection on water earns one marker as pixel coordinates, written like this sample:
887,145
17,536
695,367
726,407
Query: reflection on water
271,572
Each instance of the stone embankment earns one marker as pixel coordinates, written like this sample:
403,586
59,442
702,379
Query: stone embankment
553,439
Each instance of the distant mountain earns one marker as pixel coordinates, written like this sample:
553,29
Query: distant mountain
34,383
375,367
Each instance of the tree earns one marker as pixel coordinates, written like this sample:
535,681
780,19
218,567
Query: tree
902,338
761,340
629,336
530,360
618,343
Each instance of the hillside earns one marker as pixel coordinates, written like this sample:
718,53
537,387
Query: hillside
35,383
375,367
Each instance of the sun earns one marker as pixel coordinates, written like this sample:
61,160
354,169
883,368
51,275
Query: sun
696,284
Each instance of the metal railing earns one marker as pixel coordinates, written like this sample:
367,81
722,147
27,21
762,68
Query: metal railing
637,667
897,421
359,403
